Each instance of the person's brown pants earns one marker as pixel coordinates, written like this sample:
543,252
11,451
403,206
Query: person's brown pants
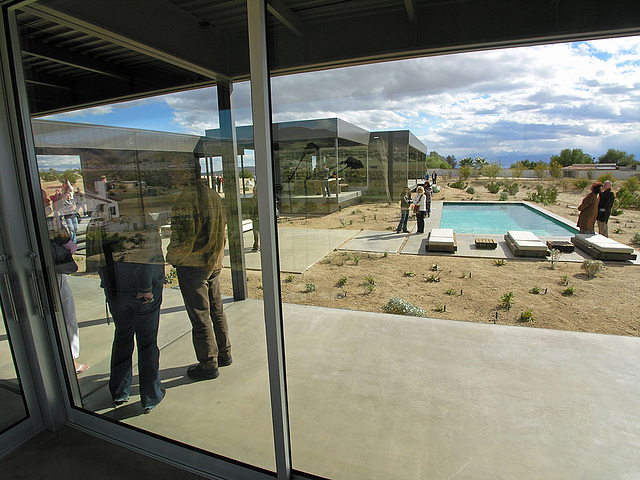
201,293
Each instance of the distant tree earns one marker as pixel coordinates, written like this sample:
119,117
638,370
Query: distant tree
48,175
540,170
480,162
451,160
465,172
246,174
466,162
528,164
69,175
620,158
492,170
435,160
517,169
568,157
555,169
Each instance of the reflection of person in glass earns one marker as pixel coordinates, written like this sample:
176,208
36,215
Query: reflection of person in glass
253,215
132,274
196,250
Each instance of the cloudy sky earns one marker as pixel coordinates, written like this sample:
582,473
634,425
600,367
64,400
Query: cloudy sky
505,105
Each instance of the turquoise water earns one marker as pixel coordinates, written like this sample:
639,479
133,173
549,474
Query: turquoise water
490,218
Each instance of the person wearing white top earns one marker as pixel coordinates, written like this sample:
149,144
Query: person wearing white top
421,201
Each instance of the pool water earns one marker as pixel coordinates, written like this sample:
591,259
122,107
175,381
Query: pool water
497,219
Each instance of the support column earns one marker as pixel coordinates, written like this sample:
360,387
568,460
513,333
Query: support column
390,164
260,106
231,191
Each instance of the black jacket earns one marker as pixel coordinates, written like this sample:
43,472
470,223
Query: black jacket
605,205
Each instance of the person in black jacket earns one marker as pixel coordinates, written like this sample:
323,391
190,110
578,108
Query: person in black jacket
604,208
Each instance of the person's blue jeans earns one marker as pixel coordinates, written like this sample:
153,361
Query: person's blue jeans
404,218
133,318
71,221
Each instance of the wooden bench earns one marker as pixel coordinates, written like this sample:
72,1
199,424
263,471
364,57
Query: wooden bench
486,243
562,246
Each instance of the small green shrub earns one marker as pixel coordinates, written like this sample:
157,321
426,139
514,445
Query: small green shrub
632,184
451,291
554,256
370,287
356,260
535,290
635,240
618,231
409,274
402,307
569,291
504,196
499,262
547,195
385,254
461,185
592,267
260,287
512,189
581,183
564,280
343,222
506,300
309,287
369,280
342,281
471,191
440,308
435,267
433,278
492,187
290,278
526,317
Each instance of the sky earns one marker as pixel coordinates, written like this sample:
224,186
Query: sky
505,105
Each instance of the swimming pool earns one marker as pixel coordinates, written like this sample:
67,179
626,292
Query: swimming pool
497,219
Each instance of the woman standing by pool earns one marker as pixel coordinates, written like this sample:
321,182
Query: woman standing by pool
589,210
420,203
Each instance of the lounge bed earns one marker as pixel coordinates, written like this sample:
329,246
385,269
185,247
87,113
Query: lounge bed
525,244
603,248
442,240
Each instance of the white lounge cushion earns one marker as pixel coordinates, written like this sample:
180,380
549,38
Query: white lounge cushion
441,236
526,241
603,244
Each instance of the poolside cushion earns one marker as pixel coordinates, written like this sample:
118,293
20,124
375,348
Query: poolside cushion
603,248
441,240
525,244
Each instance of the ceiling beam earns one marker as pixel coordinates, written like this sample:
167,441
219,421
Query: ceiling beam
279,9
409,5
145,26
72,59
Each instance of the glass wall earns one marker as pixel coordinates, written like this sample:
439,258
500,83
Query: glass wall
144,216
11,396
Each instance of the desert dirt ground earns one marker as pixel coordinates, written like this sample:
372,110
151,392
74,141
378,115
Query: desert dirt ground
469,289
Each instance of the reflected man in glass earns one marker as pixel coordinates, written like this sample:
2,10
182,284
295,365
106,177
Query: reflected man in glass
196,250
132,275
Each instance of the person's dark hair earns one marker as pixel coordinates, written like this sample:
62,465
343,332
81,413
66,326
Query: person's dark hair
595,188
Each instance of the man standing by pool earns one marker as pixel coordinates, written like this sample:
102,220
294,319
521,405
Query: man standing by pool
604,208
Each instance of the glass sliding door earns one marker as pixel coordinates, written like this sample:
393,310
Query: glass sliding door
148,208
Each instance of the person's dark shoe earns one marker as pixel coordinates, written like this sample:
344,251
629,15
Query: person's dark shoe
225,361
405,231
196,372
120,401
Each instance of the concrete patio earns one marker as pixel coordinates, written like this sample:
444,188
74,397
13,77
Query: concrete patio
383,396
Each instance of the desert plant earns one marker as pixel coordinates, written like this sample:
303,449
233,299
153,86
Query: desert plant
460,184
506,300
465,172
356,259
309,287
554,256
606,176
351,222
369,280
342,281
564,280
526,317
435,267
364,218
402,307
409,274
512,189
471,191
260,287
451,291
290,278
385,254
581,183
592,267
635,240
433,278
632,184
492,187
504,196
569,291
535,290
547,195
343,222
499,262
440,308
